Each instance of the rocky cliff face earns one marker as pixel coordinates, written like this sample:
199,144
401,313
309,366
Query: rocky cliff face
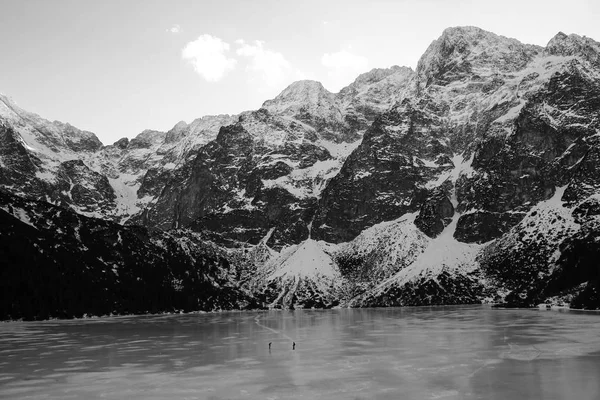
300,140
489,129
472,178
269,169
70,167
523,133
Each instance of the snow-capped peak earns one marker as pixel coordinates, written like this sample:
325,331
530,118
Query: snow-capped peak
464,50
147,139
300,90
303,96
54,140
574,45
177,132
378,74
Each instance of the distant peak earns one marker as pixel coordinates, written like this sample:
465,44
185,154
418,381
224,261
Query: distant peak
560,35
147,132
180,125
560,39
303,86
377,74
122,143
147,138
563,43
7,100
574,45
63,124
298,93
403,68
461,50
464,30
306,83
176,132
473,35
470,34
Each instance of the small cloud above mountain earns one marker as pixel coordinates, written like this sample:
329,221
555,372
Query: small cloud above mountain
266,65
208,55
271,65
174,29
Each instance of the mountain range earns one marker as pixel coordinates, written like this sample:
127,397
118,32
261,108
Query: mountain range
470,179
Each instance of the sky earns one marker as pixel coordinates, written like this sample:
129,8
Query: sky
118,67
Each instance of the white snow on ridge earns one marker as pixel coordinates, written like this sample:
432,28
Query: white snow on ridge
45,176
511,113
549,216
304,260
545,226
425,162
306,182
128,203
362,174
22,215
27,125
339,150
308,96
461,167
297,268
389,245
466,99
285,182
444,253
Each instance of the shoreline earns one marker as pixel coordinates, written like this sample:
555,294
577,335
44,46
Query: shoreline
495,306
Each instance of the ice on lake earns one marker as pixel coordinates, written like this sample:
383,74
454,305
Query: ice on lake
395,353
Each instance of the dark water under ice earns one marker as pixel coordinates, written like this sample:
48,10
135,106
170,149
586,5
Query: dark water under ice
410,353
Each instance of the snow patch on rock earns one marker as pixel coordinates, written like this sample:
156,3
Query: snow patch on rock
305,260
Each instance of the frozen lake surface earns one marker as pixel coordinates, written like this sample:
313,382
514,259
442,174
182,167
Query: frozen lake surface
396,353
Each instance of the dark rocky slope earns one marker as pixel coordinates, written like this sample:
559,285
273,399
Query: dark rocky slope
59,264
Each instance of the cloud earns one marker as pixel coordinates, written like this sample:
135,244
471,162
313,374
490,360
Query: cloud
174,29
343,68
269,66
208,56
